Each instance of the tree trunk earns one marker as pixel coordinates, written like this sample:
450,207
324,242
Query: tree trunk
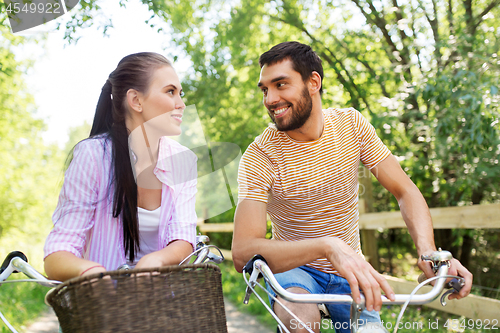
444,239
466,250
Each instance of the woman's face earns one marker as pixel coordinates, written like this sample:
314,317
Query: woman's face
162,105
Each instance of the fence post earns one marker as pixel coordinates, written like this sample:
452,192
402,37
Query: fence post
365,205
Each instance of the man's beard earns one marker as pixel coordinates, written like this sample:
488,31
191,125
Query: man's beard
299,113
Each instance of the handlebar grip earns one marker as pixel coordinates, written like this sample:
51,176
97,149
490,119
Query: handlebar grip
248,268
9,257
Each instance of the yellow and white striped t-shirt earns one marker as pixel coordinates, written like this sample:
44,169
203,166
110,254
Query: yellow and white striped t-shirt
311,187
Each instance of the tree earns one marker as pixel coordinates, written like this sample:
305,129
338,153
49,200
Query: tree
30,170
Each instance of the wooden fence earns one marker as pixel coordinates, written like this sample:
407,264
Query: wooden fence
466,217
469,217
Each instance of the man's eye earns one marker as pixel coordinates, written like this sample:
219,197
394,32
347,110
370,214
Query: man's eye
264,92
280,85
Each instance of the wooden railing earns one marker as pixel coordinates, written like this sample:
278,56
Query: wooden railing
465,217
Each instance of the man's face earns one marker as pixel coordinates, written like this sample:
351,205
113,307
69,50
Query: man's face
286,96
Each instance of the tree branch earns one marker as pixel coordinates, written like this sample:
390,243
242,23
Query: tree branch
364,63
435,30
380,23
450,17
417,49
480,17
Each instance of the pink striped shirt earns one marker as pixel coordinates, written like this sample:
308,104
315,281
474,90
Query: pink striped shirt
83,220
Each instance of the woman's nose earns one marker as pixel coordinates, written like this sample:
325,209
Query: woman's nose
179,104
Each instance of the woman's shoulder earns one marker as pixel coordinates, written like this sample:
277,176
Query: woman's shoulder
95,148
170,147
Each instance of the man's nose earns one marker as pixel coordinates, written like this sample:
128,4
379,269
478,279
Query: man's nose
272,97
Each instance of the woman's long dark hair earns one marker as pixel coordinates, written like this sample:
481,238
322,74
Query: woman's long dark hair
133,72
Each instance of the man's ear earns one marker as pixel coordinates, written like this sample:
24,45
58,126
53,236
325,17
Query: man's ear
314,83
134,99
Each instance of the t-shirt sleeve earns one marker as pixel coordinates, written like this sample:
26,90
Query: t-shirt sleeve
255,175
373,150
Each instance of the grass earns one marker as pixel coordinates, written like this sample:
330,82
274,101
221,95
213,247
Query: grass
21,303
233,287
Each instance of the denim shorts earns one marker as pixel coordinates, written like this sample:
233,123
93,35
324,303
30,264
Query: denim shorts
317,282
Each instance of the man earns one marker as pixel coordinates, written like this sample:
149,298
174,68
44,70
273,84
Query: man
302,171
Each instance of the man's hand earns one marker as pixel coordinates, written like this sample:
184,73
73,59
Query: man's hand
456,268
359,273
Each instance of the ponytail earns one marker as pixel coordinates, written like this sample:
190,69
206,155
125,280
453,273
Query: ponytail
103,119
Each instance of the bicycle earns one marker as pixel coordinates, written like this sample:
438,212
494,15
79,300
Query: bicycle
257,268
183,298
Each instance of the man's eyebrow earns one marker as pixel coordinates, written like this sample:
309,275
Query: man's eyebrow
276,79
279,78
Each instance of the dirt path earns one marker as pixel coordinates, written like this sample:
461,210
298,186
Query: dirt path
237,322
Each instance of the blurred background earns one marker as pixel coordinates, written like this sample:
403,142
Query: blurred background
424,72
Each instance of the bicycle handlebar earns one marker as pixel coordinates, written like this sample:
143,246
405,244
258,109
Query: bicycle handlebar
16,262
440,259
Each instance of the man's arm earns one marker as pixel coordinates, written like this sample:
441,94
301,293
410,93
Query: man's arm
416,216
249,239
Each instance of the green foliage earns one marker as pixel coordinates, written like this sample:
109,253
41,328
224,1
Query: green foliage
29,170
29,176
75,135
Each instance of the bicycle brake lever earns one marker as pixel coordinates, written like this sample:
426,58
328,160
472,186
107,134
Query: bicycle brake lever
443,297
455,285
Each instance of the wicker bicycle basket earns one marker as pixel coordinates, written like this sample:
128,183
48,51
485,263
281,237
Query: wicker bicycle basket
169,299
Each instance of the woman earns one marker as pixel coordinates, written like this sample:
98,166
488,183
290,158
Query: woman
129,191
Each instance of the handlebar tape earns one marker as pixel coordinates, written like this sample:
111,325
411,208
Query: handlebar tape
249,266
9,257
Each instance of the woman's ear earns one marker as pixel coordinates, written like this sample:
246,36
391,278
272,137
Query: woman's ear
314,83
134,99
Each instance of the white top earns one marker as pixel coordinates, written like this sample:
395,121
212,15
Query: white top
149,221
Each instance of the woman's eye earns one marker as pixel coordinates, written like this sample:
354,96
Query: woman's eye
182,93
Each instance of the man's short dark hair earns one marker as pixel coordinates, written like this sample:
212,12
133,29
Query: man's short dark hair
304,59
